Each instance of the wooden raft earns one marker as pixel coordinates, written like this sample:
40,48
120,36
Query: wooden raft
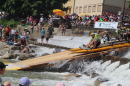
41,60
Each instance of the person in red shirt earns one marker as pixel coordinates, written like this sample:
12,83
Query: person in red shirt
7,31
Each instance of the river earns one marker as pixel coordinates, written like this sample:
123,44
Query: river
116,75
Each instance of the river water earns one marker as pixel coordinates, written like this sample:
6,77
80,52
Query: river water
116,75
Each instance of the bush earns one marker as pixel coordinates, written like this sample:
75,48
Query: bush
12,23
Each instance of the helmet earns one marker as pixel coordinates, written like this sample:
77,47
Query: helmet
92,34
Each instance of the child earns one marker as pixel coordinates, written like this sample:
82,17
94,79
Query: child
2,71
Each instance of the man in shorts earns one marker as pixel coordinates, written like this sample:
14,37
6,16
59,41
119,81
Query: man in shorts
42,34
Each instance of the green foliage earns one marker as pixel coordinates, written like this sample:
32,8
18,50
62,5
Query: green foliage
12,23
31,7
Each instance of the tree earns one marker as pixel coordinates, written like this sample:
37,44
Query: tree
31,7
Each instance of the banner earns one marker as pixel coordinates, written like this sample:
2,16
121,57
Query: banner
106,25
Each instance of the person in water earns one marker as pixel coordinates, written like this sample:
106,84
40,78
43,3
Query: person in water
95,40
25,81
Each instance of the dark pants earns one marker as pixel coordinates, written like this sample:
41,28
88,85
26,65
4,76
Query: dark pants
7,34
32,30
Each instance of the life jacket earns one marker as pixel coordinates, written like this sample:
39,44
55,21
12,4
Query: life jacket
96,36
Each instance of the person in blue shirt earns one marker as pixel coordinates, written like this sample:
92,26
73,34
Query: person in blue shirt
42,34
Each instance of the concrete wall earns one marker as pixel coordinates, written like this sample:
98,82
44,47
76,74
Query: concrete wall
115,6
106,6
86,4
70,5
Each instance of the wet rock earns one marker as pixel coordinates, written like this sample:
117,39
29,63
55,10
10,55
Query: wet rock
24,56
9,56
124,61
107,57
10,51
99,81
57,50
45,54
30,51
115,58
119,85
94,75
33,39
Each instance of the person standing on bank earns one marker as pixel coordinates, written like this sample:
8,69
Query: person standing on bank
1,30
32,27
50,29
7,31
13,33
42,34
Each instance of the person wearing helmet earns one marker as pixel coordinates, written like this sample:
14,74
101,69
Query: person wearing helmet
95,40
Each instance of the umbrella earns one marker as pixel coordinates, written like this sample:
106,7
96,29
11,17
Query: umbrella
83,14
55,10
58,12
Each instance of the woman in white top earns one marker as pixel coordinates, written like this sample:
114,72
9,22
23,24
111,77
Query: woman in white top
13,33
24,33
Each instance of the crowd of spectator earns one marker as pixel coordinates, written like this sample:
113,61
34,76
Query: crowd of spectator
87,20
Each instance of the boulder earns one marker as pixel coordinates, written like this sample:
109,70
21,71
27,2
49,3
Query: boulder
25,56
45,54
30,51
9,56
57,50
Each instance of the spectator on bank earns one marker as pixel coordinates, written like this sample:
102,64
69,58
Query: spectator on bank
41,20
24,33
42,34
2,71
27,20
32,27
1,30
47,36
38,26
27,36
23,42
30,20
4,39
7,31
51,28
24,81
9,41
13,33
16,36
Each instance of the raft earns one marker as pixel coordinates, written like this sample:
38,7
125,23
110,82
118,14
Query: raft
79,50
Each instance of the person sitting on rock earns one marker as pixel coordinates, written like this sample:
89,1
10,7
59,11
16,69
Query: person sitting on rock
9,41
26,48
4,39
23,42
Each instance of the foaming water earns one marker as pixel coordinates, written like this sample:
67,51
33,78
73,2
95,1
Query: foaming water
113,72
